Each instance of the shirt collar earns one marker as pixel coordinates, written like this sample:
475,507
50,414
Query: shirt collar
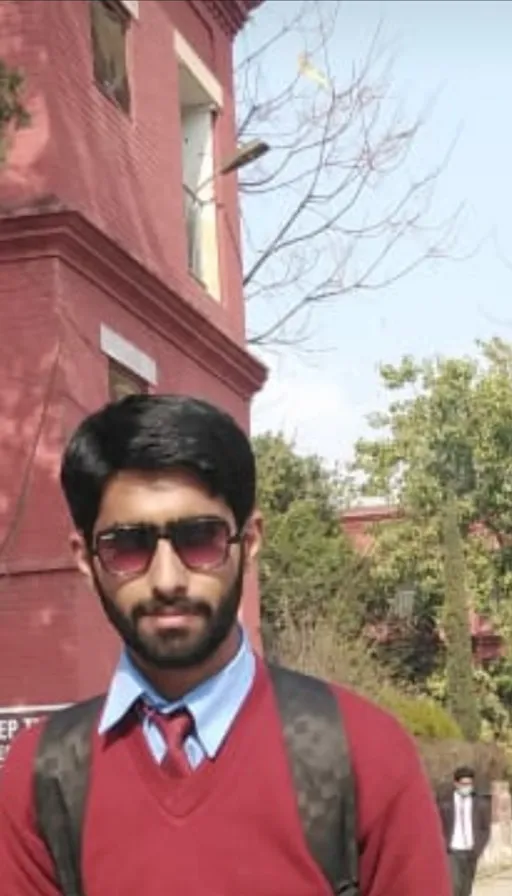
214,704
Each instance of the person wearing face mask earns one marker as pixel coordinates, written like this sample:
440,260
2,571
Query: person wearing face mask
466,820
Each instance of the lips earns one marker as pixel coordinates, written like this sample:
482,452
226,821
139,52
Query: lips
171,612
170,619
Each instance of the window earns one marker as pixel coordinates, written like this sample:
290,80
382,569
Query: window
122,382
130,370
200,101
109,26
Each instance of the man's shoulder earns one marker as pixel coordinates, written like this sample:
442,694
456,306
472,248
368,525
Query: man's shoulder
364,717
384,757
359,713
371,730
379,744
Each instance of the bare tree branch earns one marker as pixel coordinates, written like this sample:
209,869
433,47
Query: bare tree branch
347,206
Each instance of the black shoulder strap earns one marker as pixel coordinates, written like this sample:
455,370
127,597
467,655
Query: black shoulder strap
61,782
317,751
319,759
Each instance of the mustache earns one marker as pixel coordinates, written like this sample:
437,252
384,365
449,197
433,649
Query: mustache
183,606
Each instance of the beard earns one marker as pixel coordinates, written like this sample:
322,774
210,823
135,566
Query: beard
176,649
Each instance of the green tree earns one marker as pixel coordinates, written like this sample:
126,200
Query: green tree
460,688
414,650
445,436
451,425
13,113
308,570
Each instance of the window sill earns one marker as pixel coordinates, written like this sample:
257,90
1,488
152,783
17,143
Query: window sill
106,92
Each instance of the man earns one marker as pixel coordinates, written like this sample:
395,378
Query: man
466,819
161,490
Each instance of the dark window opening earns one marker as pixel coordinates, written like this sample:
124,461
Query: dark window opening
122,382
109,27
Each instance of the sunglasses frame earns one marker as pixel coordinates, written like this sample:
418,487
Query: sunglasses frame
165,533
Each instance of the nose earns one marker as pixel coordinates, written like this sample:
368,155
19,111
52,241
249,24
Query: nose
167,574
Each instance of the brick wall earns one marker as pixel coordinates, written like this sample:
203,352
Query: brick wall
123,172
54,644
123,175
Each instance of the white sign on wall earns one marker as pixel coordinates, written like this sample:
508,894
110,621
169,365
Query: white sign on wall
14,719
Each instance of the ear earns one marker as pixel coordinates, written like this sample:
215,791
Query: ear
81,556
253,538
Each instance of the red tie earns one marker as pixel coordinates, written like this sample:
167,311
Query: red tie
174,728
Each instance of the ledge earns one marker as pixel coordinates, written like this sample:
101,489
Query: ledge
231,14
57,232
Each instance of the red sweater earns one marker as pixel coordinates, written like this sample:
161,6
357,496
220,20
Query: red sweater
232,827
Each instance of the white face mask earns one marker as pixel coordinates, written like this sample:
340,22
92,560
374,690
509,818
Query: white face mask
465,790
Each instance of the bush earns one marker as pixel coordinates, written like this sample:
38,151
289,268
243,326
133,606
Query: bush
317,648
420,715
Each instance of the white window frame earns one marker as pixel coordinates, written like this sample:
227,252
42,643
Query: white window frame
188,57
128,355
132,7
200,207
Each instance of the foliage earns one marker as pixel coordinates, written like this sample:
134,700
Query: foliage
347,214
12,111
435,455
308,569
450,427
460,692
492,690
395,563
317,649
446,431
422,716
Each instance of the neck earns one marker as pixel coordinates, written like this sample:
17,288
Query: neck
175,683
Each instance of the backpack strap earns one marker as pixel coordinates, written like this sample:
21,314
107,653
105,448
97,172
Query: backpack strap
317,751
60,785
319,759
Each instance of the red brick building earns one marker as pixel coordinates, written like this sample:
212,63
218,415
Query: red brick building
119,270
358,523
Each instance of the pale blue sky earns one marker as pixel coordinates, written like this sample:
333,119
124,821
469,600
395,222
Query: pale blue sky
465,50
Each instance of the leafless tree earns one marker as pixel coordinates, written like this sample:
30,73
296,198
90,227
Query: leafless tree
340,204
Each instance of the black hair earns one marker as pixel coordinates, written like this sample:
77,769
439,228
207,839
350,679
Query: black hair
463,771
157,433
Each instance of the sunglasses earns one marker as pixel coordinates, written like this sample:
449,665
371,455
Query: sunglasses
201,544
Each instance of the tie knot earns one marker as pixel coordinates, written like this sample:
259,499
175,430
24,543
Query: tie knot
177,727
174,727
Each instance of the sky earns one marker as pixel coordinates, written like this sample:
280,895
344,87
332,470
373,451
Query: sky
459,51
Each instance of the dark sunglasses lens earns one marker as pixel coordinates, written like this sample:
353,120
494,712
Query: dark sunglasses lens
201,544
126,551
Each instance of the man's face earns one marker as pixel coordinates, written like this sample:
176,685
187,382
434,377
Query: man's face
168,614
464,786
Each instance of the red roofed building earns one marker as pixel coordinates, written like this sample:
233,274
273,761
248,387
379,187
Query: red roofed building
357,522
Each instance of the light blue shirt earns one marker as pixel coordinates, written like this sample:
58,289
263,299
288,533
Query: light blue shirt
213,705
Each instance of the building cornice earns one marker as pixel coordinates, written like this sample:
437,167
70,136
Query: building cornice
231,15
61,233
